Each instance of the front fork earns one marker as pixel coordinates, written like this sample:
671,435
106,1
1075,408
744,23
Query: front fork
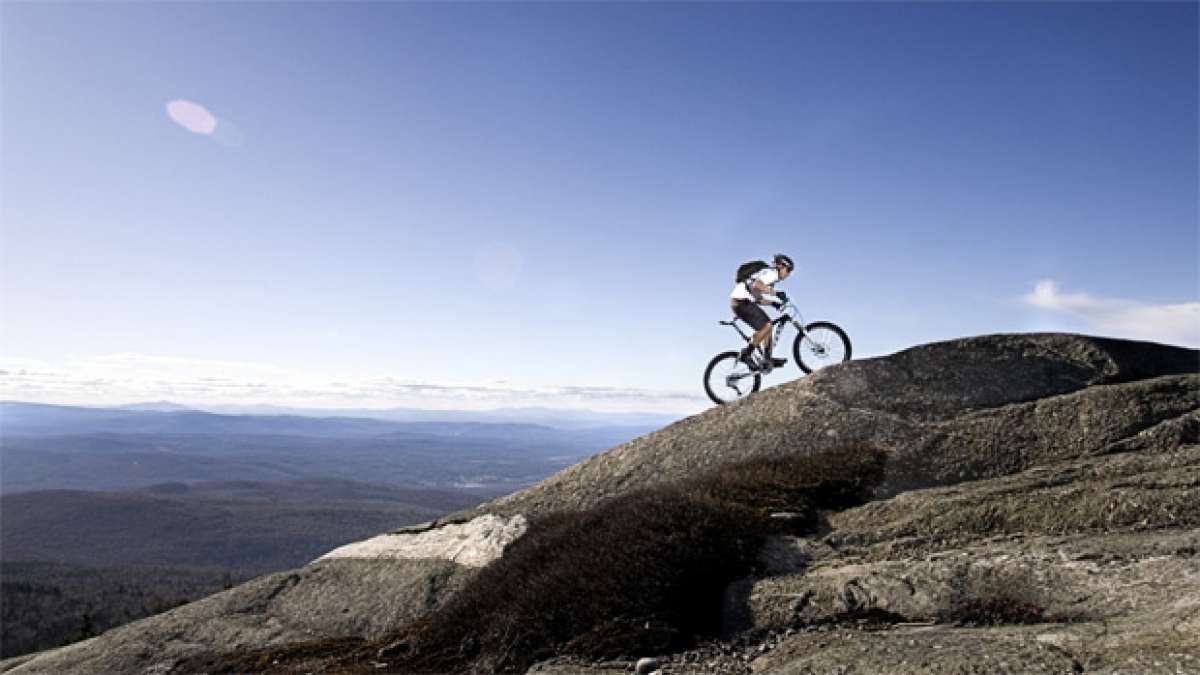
800,328
820,349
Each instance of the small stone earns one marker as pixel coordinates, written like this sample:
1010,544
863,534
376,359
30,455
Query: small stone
646,666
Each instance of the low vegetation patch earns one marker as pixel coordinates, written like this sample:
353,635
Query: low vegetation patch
866,618
1005,597
997,610
640,573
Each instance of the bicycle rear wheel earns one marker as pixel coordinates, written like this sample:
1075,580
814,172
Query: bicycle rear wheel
821,345
727,379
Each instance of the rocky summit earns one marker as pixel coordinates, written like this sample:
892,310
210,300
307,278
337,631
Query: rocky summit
1022,503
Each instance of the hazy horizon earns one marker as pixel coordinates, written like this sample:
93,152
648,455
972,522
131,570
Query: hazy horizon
395,413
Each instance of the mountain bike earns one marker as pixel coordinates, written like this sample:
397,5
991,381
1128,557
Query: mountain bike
818,345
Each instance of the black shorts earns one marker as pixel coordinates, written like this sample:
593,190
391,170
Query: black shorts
751,313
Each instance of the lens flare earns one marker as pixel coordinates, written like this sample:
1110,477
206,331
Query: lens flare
192,116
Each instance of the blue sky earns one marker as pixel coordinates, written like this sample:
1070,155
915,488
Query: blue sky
545,203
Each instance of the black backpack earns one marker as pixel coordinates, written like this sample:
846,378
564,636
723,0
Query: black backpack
747,270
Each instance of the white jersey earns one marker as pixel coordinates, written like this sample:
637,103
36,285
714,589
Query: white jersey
769,277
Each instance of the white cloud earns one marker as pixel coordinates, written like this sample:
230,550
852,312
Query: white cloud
1174,324
130,377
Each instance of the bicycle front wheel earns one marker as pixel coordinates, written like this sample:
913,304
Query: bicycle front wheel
727,379
821,345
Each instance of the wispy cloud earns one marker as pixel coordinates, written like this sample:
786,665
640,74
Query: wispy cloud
1175,324
132,377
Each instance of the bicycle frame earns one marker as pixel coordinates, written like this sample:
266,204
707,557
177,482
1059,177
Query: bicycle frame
777,325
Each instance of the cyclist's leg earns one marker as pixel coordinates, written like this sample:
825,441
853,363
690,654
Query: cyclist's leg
763,337
769,346
752,314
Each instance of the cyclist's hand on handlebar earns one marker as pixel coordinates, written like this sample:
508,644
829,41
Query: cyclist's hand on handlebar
782,297
777,305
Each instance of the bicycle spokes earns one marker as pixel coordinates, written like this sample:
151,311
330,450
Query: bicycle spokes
821,345
728,378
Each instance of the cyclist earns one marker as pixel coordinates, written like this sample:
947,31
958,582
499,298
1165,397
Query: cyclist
759,289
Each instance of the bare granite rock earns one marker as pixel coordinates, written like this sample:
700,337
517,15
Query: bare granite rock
474,543
1102,553
946,413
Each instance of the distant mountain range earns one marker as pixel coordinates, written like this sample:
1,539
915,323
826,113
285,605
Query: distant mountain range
54,447
111,514
562,418
249,526
155,406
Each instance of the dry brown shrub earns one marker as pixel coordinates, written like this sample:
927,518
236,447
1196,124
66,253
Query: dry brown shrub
638,574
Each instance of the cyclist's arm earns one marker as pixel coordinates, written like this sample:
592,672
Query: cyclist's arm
762,290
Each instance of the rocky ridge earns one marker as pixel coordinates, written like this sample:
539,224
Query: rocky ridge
1039,508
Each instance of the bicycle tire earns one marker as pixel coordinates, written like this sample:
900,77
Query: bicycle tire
733,367
831,346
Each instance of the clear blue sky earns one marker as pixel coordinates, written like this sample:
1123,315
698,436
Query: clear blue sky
557,195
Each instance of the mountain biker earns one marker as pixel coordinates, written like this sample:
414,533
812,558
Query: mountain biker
759,289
